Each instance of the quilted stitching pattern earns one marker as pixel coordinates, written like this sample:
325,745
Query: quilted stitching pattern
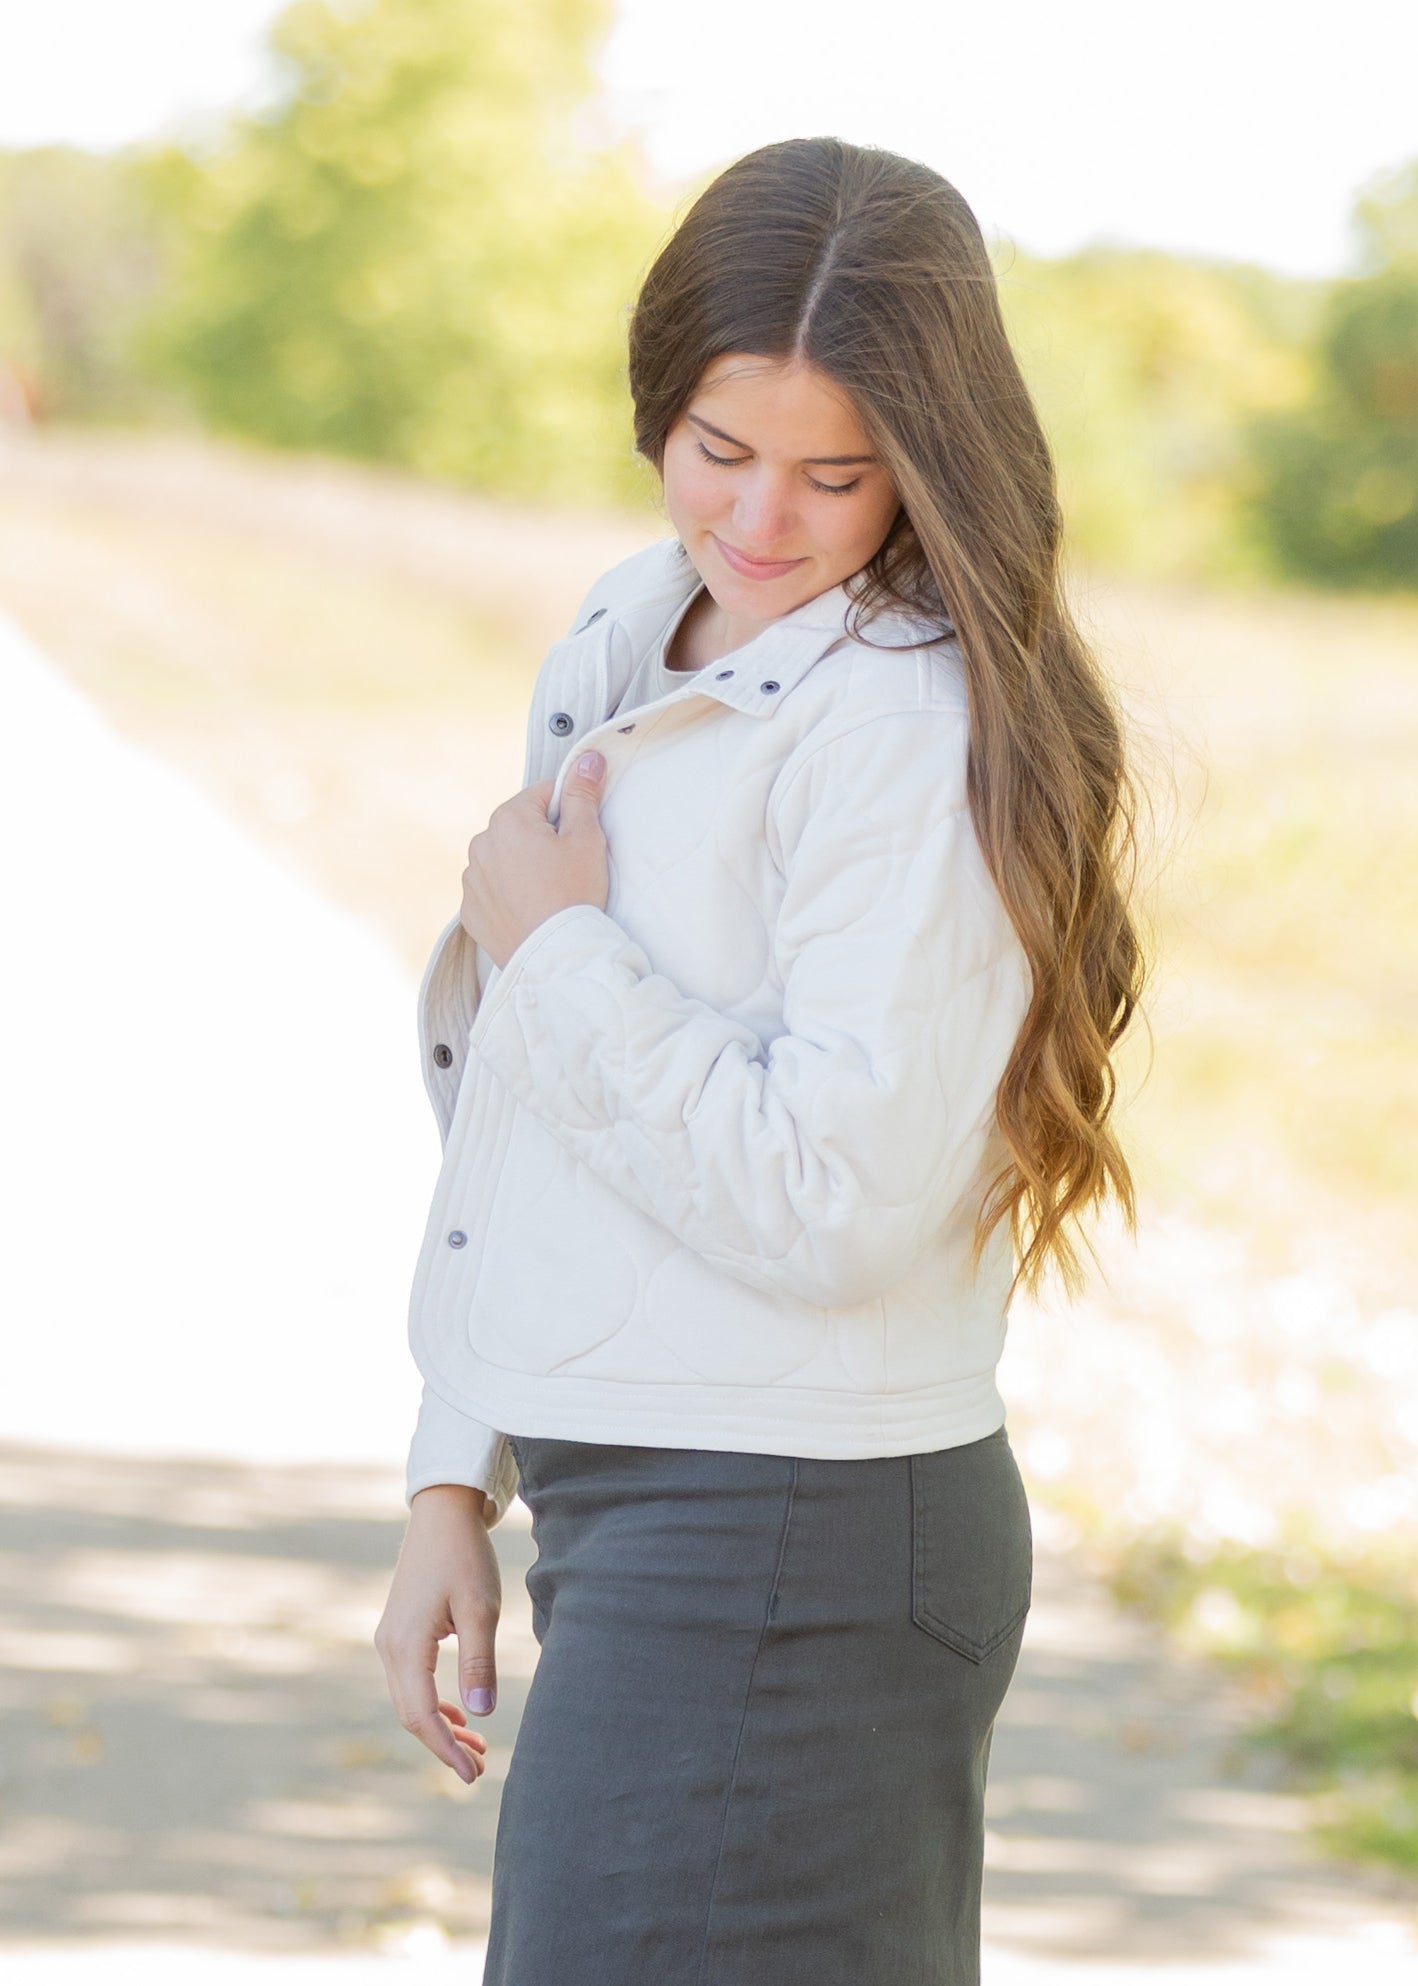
752,1098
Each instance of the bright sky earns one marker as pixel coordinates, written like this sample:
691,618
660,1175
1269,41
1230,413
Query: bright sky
1228,127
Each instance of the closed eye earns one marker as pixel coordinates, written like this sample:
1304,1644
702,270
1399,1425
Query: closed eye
724,461
733,462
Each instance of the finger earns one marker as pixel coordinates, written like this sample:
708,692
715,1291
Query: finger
409,1670
456,1717
477,1759
535,794
535,799
477,1660
440,1738
581,793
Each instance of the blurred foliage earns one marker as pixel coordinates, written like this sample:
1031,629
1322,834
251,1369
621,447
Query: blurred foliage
423,250
417,254
1145,368
1327,1651
82,257
1337,481
1386,221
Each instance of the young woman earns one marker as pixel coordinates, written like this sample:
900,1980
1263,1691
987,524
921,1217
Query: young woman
772,1051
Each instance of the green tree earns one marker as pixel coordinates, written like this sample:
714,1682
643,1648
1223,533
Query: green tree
1337,483
418,253
1146,368
82,257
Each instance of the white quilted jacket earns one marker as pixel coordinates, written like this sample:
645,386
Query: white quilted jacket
712,1155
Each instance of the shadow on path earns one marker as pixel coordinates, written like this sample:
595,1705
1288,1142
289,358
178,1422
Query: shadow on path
194,1726
1125,1820
197,1743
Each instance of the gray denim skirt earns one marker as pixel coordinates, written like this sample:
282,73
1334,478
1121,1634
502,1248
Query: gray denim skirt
755,1745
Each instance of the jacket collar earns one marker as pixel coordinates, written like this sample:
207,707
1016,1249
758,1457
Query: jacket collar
757,677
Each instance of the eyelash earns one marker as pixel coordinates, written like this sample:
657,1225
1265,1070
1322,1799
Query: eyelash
732,462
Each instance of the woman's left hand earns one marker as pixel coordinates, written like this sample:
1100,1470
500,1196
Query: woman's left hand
521,869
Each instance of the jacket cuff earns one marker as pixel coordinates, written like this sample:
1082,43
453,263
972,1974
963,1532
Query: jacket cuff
448,1446
544,950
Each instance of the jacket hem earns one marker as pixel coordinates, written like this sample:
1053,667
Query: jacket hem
821,1423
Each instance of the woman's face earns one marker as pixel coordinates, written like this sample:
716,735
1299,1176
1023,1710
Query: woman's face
771,484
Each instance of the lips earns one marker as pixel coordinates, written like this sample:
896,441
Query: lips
753,568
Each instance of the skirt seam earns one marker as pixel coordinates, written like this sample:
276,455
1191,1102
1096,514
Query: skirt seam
743,1719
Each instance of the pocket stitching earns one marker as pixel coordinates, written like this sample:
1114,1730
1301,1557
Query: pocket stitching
975,1651
931,1622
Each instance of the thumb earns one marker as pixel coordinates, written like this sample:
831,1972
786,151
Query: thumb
581,791
477,1664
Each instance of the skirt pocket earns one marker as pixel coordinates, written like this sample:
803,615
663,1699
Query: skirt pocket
972,1564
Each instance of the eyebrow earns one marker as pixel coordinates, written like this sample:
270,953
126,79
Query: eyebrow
815,461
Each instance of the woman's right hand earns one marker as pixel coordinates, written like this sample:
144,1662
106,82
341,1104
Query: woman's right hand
447,1581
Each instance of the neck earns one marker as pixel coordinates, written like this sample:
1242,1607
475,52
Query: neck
725,632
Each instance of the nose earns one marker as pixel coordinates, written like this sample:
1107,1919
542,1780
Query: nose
763,514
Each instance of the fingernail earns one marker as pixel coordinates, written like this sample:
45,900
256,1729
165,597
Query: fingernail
592,764
479,1701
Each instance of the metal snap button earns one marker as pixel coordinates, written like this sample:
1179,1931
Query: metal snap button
443,1055
561,721
457,1239
769,687
723,675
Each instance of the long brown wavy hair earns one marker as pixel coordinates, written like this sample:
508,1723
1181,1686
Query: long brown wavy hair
873,269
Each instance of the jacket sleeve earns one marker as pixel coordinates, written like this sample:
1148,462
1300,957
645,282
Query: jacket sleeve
818,1163
450,1447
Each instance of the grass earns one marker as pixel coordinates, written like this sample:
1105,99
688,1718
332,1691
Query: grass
1281,732
1329,1654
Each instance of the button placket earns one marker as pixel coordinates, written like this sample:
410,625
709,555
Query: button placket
770,687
